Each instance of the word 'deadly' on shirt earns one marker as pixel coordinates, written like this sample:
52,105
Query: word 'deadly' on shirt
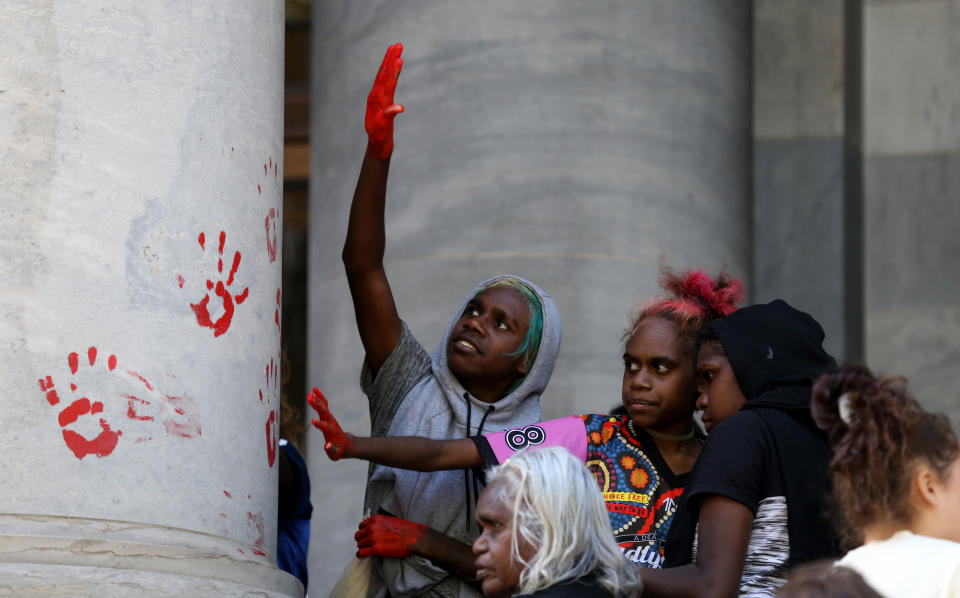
639,489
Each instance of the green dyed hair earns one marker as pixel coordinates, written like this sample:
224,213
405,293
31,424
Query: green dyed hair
531,342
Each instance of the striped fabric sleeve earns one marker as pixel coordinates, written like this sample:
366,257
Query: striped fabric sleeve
568,432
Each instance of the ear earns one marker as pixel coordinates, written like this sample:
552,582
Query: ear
926,487
522,365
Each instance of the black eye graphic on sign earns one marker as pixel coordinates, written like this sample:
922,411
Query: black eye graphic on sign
520,439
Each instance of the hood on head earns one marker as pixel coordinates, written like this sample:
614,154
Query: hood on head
774,346
536,379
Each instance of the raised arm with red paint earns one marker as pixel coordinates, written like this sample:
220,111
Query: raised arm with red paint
415,453
377,319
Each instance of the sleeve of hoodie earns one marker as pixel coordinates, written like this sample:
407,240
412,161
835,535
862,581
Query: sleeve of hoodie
406,365
735,462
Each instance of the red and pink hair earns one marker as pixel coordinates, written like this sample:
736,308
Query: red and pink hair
694,301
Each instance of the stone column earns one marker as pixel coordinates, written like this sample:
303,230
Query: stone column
566,143
807,163
142,168
912,194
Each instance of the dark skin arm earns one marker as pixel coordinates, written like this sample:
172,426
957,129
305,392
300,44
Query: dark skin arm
725,526
415,453
386,536
377,320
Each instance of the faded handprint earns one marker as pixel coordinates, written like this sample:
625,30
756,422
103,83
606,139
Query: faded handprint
271,372
220,290
270,222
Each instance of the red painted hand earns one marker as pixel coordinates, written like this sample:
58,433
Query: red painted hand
382,535
338,444
380,107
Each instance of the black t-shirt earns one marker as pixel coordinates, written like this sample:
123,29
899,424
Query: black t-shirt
585,587
739,461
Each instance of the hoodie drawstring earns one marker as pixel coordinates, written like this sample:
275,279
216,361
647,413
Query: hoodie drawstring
467,478
476,492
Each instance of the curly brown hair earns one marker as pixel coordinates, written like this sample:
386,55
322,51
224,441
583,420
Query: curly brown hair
879,435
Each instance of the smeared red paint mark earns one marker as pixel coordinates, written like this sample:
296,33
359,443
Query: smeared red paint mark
202,239
270,224
272,438
264,170
259,552
257,520
261,395
248,496
141,378
73,387
259,191
70,413
112,362
73,360
276,312
233,268
224,515
101,446
180,280
271,162
186,429
132,411
92,355
201,309
240,550
227,494
47,385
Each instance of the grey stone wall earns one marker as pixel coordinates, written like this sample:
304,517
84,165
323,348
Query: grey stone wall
912,199
802,193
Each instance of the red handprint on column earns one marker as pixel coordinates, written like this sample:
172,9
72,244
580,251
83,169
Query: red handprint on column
270,222
271,372
144,403
221,290
106,440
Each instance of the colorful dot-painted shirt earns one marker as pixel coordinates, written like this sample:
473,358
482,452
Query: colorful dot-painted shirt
639,489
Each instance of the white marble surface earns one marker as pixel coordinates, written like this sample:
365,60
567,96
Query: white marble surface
911,82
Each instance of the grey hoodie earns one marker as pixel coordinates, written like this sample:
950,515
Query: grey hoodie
413,395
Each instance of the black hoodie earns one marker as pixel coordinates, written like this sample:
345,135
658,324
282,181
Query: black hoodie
776,353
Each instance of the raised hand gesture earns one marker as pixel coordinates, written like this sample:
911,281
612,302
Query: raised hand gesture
380,107
338,444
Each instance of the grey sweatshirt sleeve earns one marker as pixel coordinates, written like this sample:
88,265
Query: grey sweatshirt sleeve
406,365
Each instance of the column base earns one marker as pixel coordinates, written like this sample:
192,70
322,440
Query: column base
63,556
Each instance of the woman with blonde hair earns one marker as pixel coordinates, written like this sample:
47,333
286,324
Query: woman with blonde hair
546,532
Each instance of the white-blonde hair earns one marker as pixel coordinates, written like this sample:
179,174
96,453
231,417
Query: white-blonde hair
558,511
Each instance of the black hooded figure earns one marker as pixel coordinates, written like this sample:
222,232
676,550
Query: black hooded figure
768,456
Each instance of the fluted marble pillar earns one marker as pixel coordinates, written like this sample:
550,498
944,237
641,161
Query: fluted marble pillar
568,142
142,169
